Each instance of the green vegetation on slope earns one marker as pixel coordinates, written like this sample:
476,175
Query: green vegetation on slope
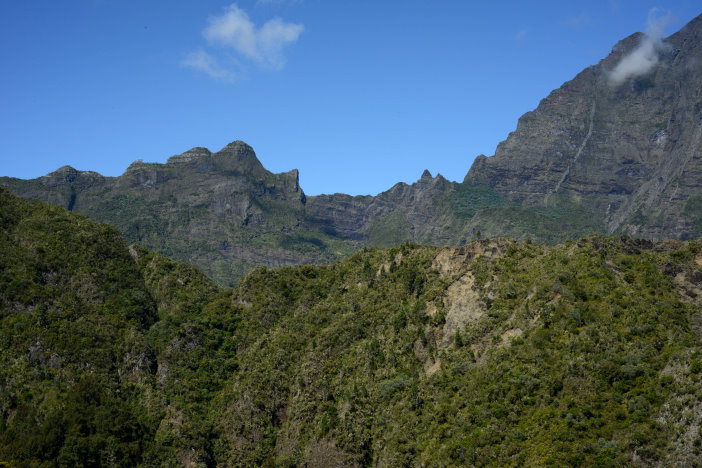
498,353
601,344
563,220
390,230
73,316
466,200
228,220
199,238
693,210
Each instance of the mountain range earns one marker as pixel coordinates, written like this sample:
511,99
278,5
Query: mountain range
597,155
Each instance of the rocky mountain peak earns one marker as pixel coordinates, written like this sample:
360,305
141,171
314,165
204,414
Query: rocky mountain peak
68,175
238,155
235,155
237,145
64,171
620,49
193,153
692,29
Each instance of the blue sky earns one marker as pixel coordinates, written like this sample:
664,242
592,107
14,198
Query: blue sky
357,95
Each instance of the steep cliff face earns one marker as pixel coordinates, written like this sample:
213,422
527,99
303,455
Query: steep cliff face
627,147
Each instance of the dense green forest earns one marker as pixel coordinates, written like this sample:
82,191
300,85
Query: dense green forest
498,353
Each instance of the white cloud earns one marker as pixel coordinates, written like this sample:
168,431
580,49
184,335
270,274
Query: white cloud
644,57
204,62
264,45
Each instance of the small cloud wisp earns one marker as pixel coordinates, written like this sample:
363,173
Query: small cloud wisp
644,57
264,45
204,62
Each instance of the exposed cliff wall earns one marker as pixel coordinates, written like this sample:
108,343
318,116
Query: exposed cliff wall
630,150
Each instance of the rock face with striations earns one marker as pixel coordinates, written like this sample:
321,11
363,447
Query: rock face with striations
627,147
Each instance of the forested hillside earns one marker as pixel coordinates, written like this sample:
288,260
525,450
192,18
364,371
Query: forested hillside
496,353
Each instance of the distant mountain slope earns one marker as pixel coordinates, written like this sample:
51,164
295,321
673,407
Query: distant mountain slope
498,352
224,213
630,151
